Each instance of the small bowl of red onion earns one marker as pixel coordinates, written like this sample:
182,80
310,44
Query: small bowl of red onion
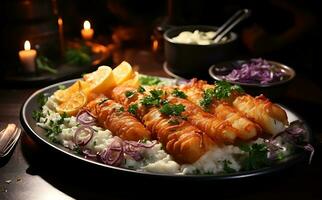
257,75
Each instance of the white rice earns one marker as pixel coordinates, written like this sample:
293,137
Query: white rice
155,160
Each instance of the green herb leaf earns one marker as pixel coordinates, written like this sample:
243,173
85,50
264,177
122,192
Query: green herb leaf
149,80
129,94
133,108
257,156
36,115
156,93
174,121
43,63
141,89
42,99
120,109
62,118
62,87
227,168
178,93
172,109
208,96
152,100
79,56
224,89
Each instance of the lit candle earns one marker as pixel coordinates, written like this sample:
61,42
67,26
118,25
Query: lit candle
87,31
27,57
61,35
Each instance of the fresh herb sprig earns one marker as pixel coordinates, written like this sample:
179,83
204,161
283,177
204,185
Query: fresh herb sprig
129,94
42,99
141,89
154,99
172,109
178,93
224,89
149,80
227,168
256,156
36,115
78,56
208,96
44,64
133,108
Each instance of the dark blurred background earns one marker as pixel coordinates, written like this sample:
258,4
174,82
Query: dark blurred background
287,31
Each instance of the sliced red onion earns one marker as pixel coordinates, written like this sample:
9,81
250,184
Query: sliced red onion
89,154
310,149
113,154
85,117
133,151
140,144
83,141
294,135
255,71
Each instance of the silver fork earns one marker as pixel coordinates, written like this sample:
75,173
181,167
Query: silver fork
8,138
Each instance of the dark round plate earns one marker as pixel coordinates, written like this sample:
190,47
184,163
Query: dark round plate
29,124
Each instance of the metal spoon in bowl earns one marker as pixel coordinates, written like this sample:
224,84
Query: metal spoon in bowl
231,23
8,138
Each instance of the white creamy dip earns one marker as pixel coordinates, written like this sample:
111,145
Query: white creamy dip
196,37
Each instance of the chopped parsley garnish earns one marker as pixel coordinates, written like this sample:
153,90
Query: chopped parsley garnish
178,93
156,93
120,109
227,168
78,150
62,87
149,80
150,101
208,96
62,118
141,89
172,109
154,99
54,129
36,115
224,89
257,156
133,108
174,121
129,94
42,99
102,101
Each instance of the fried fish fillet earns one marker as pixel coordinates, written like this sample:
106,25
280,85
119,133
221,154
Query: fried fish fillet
271,117
185,142
113,116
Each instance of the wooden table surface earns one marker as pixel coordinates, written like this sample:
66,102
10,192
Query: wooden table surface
36,172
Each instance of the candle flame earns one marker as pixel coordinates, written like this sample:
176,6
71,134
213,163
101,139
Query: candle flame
155,45
60,21
87,25
27,45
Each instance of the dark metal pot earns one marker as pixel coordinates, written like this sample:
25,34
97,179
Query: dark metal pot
189,60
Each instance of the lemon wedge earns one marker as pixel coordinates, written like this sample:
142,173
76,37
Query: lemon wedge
122,72
133,82
101,80
76,101
64,95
